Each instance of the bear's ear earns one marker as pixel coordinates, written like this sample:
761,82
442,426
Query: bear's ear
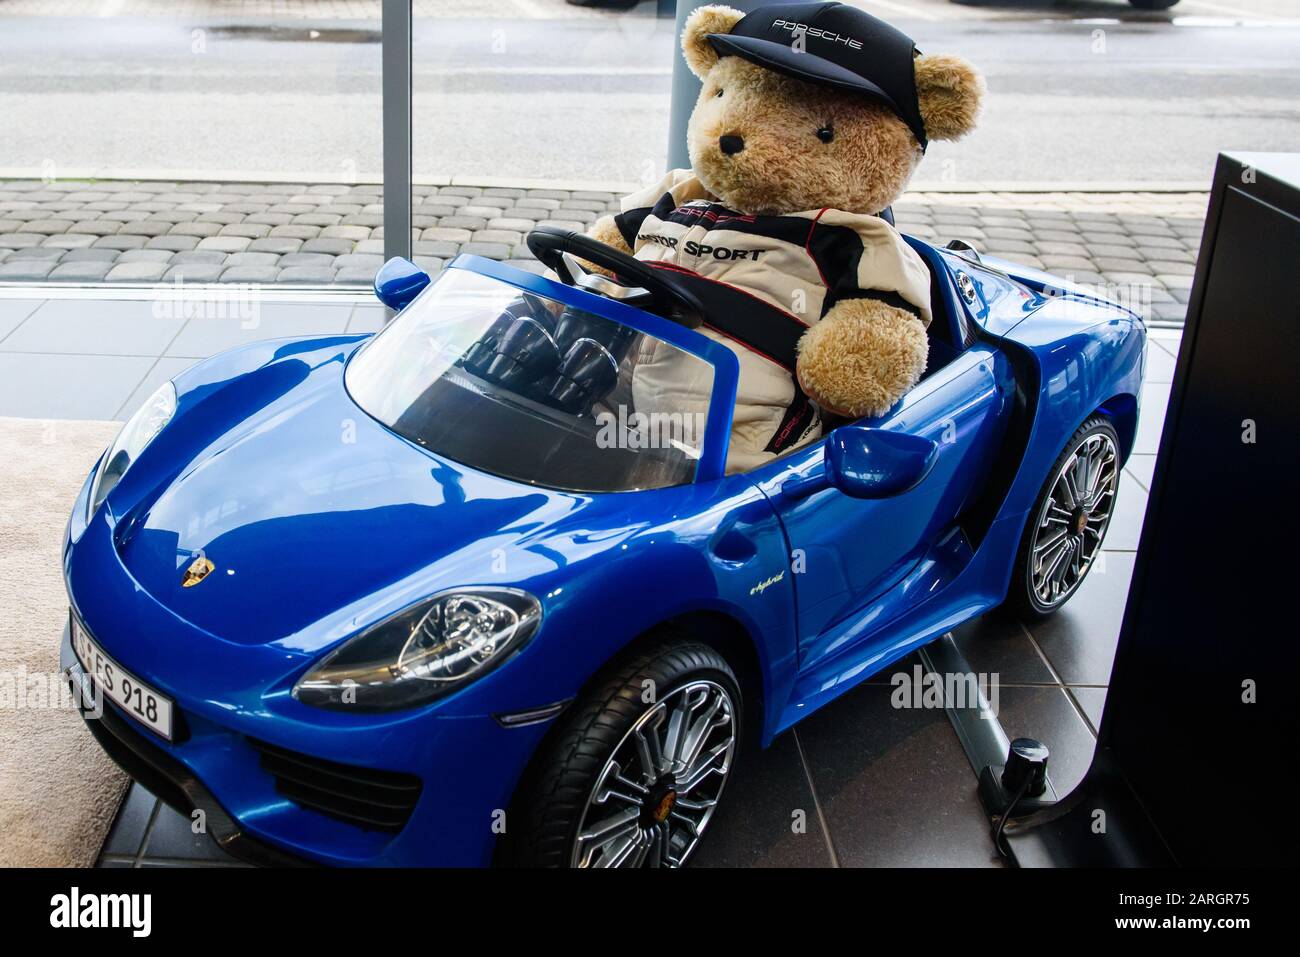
700,55
950,92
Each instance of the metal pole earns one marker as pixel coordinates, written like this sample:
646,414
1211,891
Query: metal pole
686,88
397,127
977,727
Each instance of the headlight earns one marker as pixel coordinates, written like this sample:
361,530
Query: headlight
423,652
138,432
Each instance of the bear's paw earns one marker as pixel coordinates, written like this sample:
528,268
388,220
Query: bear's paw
862,357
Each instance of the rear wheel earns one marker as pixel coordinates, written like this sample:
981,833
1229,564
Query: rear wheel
1068,523
635,775
1153,4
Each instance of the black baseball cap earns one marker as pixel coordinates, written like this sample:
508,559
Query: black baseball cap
842,47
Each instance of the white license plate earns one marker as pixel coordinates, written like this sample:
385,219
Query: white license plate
132,695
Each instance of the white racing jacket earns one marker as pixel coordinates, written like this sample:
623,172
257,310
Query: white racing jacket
799,263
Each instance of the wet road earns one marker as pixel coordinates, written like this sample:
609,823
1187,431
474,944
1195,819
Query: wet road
1086,94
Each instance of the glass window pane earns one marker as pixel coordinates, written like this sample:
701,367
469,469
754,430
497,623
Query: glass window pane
526,387
537,112
204,142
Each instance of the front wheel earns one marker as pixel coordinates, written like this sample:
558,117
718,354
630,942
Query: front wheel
1068,523
635,774
1153,4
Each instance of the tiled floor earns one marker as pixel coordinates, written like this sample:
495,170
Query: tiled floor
94,359
859,783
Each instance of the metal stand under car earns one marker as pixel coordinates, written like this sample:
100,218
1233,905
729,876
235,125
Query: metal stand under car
1199,712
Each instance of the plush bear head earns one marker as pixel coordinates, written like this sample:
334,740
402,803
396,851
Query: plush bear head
767,142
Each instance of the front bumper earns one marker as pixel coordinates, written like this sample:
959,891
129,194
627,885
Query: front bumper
166,777
473,766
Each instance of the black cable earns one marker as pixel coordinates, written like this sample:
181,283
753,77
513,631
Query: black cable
1002,822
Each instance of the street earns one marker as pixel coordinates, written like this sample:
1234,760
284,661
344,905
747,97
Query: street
1088,93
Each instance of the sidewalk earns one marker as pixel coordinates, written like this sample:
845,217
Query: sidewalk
332,234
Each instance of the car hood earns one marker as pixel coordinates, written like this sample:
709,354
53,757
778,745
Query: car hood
309,511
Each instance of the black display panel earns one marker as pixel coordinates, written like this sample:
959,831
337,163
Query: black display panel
1206,629
1195,754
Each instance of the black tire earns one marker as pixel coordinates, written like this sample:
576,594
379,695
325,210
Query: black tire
1022,599
543,821
1153,4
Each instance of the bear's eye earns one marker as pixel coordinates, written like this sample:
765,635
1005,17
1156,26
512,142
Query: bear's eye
719,93
826,133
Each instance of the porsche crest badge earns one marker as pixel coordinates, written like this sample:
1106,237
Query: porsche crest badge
199,569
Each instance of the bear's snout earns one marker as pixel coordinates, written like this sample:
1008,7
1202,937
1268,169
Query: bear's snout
731,144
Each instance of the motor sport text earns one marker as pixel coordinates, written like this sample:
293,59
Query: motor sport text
692,248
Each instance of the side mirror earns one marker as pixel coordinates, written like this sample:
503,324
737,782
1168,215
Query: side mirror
398,282
874,463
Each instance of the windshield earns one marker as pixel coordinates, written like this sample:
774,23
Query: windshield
523,386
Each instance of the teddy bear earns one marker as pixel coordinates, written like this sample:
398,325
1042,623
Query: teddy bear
810,121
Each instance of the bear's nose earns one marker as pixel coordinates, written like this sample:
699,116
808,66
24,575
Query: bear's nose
731,145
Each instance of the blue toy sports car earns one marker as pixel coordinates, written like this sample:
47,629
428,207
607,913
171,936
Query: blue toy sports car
446,596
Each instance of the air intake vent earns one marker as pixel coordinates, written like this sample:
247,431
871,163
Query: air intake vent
376,800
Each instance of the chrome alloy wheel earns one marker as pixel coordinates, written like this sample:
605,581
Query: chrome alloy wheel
656,793
1073,519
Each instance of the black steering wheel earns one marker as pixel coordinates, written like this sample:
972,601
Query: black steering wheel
675,299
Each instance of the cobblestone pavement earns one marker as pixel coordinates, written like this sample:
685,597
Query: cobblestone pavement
324,234
1139,248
